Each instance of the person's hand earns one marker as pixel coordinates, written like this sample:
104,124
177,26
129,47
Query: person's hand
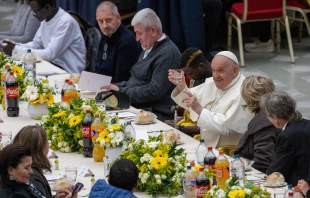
8,49
64,193
303,186
192,102
171,76
110,87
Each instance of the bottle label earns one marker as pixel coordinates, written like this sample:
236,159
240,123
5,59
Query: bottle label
12,92
222,172
86,131
189,185
201,191
56,166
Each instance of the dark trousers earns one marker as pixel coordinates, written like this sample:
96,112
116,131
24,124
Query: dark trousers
212,10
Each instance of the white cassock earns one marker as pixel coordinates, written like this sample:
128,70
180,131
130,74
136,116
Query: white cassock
223,119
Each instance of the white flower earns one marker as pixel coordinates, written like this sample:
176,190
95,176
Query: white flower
62,149
65,105
44,118
55,127
150,167
119,137
59,145
247,191
163,177
102,143
140,175
45,86
113,141
31,93
236,188
221,193
157,176
71,116
142,159
108,145
67,149
143,180
81,142
146,175
65,144
158,181
180,166
111,135
130,146
211,192
113,145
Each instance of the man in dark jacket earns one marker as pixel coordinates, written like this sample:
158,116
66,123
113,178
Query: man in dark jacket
118,50
148,86
292,154
123,181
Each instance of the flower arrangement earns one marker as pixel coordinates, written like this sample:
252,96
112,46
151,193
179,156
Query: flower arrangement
21,76
39,93
161,166
63,123
235,190
112,136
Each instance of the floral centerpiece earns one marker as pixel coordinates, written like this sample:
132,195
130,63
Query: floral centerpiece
112,136
235,190
161,166
63,123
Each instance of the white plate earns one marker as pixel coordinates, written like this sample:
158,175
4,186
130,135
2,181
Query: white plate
144,123
275,186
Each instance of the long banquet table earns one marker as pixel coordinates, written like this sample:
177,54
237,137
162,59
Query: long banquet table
14,124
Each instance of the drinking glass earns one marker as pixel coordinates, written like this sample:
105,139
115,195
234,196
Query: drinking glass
190,154
75,78
59,85
177,77
6,139
71,173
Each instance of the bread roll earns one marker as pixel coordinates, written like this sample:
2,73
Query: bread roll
62,183
145,117
172,136
275,179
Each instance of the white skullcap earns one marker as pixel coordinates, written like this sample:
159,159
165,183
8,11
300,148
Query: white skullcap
229,55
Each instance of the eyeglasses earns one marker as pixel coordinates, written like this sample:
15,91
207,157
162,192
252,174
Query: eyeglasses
105,55
35,13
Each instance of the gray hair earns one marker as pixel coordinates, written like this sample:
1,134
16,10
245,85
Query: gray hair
280,105
147,18
107,5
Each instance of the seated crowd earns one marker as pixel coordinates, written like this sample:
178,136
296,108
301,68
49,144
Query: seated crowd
223,106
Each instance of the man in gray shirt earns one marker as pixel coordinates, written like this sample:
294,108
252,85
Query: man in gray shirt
149,87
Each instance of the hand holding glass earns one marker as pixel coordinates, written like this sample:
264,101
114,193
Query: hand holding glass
177,77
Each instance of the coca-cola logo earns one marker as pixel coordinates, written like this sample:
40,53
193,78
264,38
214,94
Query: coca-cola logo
86,132
201,190
12,92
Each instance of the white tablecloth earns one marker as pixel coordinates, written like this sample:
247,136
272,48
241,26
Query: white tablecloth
14,124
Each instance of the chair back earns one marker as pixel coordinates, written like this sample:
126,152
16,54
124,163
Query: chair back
264,6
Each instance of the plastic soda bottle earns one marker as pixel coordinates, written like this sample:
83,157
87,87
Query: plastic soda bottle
202,184
63,90
12,94
189,183
221,170
96,127
3,79
237,169
30,65
289,190
201,152
70,93
86,134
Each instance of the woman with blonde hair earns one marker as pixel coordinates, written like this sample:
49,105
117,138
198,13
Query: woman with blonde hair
34,137
258,142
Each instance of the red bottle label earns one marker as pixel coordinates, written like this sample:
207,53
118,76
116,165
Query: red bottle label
201,191
86,132
12,92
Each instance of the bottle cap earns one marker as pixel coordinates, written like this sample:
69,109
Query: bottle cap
11,72
290,186
7,66
67,80
221,152
93,175
188,167
96,115
128,122
87,111
28,50
202,140
56,156
209,148
237,156
201,169
70,82
296,188
192,163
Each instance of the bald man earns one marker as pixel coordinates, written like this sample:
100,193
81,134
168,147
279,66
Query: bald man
118,49
217,103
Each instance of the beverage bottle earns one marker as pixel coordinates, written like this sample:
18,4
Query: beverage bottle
92,180
297,192
129,131
56,163
192,164
221,170
189,183
202,184
12,95
96,127
107,163
63,90
289,190
3,78
30,65
86,134
209,162
70,92
237,169
290,194
201,152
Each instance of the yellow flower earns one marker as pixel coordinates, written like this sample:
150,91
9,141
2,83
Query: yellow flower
45,81
237,194
38,100
159,153
159,163
57,115
116,127
105,135
75,120
49,98
18,71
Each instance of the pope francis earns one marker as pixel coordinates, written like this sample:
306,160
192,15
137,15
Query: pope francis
216,104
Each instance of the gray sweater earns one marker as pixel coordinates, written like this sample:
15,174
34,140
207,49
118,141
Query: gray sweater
149,87
24,26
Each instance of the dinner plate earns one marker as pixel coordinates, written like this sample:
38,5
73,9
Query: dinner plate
274,186
144,123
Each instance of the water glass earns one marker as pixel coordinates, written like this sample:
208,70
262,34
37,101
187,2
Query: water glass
6,139
190,154
71,173
177,77
59,85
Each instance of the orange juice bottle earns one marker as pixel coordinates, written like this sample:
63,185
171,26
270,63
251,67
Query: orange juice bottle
222,170
70,92
3,77
96,127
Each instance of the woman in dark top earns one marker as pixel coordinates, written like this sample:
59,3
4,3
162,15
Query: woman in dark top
15,170
258,142
34,137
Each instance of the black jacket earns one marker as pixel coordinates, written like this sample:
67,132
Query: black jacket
292,154
14,190
40,182
258,142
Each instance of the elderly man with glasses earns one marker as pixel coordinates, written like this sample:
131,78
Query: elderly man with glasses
118,50
59,39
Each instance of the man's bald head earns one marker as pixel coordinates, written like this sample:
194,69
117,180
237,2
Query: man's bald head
107,6
224,70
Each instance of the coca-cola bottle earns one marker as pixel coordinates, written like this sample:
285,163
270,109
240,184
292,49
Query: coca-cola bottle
86,134
209,161
12,95
202,184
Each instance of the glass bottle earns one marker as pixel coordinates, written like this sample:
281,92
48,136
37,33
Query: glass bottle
56,162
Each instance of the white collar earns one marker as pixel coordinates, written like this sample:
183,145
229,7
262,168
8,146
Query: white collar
149,50
284,126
